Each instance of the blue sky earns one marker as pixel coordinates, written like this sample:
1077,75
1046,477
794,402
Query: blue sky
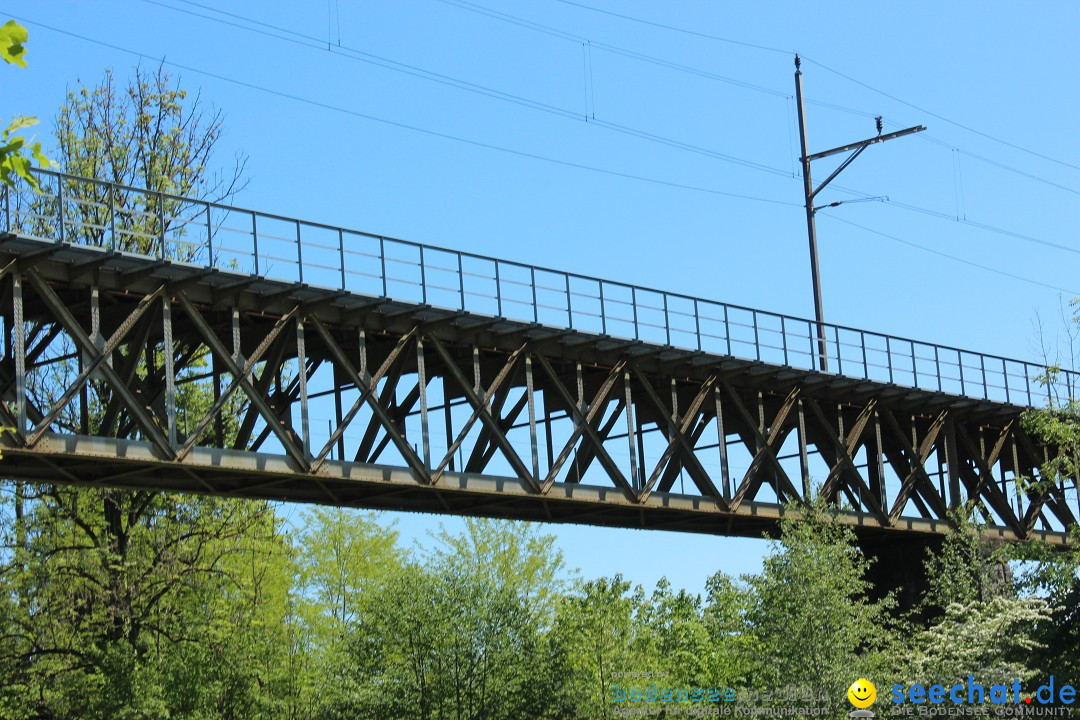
978,236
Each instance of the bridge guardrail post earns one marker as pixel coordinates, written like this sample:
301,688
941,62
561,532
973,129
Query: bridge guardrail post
209,238
603,313
667,320
783,338
757,342
112,216
461,280
161,223
1004,379
960,364
532,281
865,365
986,386
255,240
727,329
299,254
633,305
697,318
341,254
569,306
498,290
888,357
60,205
423,278
914,368
937,367
839,355
382,263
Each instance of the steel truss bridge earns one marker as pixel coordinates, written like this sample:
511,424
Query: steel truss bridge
154,341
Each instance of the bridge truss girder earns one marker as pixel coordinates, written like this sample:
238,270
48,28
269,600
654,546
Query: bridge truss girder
130,372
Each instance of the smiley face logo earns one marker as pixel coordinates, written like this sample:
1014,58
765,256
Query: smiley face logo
862,693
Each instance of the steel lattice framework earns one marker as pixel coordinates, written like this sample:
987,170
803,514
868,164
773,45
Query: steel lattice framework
161,342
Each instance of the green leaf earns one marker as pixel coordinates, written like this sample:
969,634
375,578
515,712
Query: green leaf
12,37
42,161
20,122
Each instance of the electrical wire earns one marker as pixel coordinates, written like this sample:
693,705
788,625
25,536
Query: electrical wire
823,66
685,31
952,257
464,4
406,126
566,163
415,71
937,116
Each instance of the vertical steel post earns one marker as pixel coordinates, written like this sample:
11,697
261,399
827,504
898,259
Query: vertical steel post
697,324
112,217
382,262
423,278
60,205
18,329
569,306
631,438
341,254
299,254
727,330
839,355
721,438
603,311
536,308
161,223
531,390
888,356
757,341
461,280
783,338
811,229
170,370
667,322
422,384
255,240
914,368
301,374
804,459
339,379
986,386
1005,379
209,238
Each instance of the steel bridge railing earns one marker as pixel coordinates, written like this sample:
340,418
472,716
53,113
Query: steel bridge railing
84,211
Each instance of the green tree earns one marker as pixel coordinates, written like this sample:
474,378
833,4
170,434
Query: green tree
14,162
600,634
462,635
1054,573
345,558
139,604
980,625
811,622
726,618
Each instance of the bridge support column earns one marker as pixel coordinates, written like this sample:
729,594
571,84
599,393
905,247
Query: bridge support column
899,566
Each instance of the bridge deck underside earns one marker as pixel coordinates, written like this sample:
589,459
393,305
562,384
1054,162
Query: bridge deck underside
124,371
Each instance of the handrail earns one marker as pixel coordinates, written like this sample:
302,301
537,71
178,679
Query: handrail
88,211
